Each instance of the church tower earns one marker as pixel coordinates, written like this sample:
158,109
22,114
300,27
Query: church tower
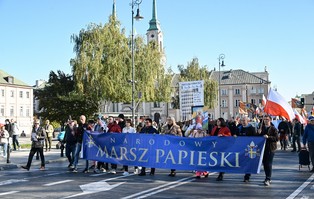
154,32
114,13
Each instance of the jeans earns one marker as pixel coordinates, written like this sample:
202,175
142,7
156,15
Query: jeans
15,140
5,149
268,163
70,152
78,147
32,153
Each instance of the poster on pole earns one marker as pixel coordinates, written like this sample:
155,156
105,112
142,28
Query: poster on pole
191,94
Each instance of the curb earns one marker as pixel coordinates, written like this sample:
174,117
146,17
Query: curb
9,166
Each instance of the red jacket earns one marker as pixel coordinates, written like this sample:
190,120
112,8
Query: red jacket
223,131
114,128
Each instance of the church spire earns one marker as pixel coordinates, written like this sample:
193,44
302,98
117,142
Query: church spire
114,9
154,23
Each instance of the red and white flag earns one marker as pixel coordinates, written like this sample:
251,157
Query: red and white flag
264,101
299,117
277,106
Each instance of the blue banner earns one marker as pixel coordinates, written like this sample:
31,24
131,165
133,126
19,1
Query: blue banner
222,154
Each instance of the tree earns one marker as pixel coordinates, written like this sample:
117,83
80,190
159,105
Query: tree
58,99
194,72
102,66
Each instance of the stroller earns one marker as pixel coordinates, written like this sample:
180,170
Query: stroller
304,158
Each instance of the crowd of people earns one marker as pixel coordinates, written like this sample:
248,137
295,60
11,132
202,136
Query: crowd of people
288,133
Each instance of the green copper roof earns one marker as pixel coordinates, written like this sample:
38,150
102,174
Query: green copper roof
154,23
4,79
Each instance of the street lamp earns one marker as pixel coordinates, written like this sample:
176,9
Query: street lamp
137,17
221,64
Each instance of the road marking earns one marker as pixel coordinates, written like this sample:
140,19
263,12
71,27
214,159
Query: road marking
305,184
8,193
98,174
168,186
55,183
11,181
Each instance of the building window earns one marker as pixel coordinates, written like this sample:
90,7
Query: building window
224,103
156,104
21,111
253,101
27,111
237,91
11,111
12,93
21,94
2,110
27,94
2,93
223,92
237,103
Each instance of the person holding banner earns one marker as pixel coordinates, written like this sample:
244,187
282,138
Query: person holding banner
113,127
221,130
148,129
171,128
82,126
246,129
271,134
129,129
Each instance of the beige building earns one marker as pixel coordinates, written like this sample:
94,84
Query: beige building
16,101
239,85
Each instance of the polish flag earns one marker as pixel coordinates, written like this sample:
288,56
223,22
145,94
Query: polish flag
299,117
264,101
277,106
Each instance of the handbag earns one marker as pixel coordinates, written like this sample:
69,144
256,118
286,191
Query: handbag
37,144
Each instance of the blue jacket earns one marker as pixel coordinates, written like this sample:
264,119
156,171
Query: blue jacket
308,134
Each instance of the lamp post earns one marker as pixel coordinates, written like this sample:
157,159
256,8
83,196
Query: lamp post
221,64
137,17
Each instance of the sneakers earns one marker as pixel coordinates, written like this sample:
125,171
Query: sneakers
85,171
267,182
136,171
126,173
25,167
74,170
112,171
103,170
42,168
172,174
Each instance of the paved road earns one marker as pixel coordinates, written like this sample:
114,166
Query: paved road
58,182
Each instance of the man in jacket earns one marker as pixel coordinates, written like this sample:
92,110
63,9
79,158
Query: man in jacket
82,126
296,135
246,129
49,132
148,129
308,138
38,136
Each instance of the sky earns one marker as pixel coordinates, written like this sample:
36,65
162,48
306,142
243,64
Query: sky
279,34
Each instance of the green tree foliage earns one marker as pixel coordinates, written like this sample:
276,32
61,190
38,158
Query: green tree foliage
102,67
194,72
58,100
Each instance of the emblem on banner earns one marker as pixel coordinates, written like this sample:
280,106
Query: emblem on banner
90,142
252,151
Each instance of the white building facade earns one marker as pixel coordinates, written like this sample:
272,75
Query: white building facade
16,102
